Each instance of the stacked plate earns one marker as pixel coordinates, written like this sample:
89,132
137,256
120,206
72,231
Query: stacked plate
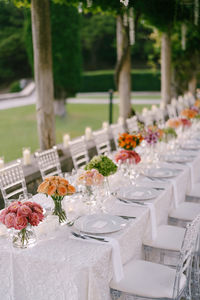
160,173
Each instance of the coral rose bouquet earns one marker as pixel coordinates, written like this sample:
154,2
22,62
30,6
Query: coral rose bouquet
57,188
127,155
21,216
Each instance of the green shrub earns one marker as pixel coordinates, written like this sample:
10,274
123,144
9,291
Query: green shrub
15,87
102,81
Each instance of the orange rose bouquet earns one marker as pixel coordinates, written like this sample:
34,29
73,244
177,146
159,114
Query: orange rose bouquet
57,187
129,141
189,113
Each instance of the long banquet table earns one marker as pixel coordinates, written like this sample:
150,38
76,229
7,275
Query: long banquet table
63,268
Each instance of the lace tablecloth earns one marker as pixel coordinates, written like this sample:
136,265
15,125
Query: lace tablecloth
64,269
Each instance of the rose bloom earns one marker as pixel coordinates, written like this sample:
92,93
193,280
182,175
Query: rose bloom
71,189
24,210
62,190
14,206
10,220
43,187
51,189
20,222
3,215
37,208
34,219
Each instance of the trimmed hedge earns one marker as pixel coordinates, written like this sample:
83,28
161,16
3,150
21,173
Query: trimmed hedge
102,81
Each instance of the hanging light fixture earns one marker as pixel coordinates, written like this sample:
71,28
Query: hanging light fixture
125,2
183,36
196,12
131,26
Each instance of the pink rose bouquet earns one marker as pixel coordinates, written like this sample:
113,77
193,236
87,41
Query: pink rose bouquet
185,122
19,215
123,155
90,177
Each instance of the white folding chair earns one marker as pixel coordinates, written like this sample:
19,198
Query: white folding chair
171,109
132,124
48,162
12,181
79,152
102,141
117,129
148,280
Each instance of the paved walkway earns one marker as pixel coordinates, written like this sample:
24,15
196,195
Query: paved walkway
82,98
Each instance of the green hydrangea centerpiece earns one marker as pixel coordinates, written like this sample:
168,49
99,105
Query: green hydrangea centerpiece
103,164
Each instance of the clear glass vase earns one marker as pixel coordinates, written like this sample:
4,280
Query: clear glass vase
58,210
24,238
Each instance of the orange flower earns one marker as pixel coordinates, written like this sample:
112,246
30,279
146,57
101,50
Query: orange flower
64,181
71,189
62,190
43,187
51,189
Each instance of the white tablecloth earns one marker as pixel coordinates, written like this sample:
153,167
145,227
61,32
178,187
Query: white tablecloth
64,269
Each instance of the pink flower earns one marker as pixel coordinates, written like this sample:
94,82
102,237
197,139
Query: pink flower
10,220
29,204
3,215
41,216
13,207
34,219
20,222
37,208
24,210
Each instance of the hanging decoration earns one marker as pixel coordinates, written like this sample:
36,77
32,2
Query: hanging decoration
89,3
125,2
80,7
131,26
196,12
183,36
125,19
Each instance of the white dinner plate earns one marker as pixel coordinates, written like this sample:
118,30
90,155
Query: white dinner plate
99,223
160,173
136,193
177,158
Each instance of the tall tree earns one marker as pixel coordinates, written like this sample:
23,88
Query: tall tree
41,30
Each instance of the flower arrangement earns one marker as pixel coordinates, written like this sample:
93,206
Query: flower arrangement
169,132
131,155
173,123
103,164
129,141
197,103
19,215
57,187
151,137
189,113
90,177
185,122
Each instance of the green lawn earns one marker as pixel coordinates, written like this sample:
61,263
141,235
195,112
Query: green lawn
18,126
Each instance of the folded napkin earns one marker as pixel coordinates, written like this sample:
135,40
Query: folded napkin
153,219
118,272
192,176
175,193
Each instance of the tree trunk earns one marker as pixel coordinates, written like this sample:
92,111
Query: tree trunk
124,76
192,85
166,68
43,72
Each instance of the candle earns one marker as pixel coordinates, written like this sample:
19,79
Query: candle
66,139
154,108
88,133
105,125
27,156
1,162
162,105
120,121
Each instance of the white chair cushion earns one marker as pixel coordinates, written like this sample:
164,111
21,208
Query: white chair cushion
195,192
186,211
168,238
147,279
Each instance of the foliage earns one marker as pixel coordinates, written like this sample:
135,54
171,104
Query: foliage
13,57
103,164
15,87
102,81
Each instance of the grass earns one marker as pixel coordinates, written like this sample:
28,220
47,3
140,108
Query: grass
18,126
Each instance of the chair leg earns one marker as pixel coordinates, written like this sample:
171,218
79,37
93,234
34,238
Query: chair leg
115,295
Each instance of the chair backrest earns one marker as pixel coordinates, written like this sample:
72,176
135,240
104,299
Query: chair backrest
117,129
102,141
189,246
171,109
159,116
132,124
48,162
79,152
12,181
